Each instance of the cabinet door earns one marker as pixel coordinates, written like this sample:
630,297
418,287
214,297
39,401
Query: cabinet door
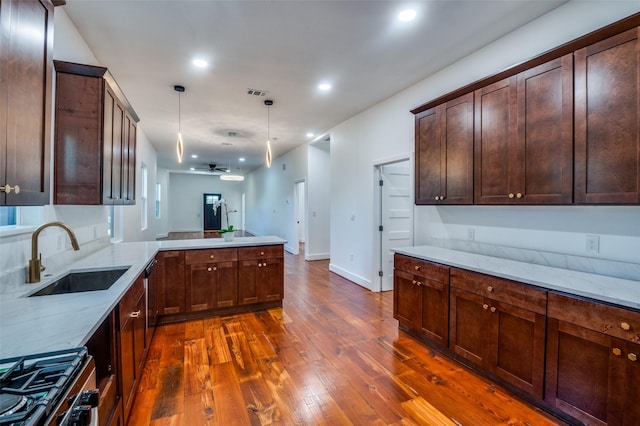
26,49
495,149
406,299
516,348
607,121
210,286
435,311
114,115
130,187
127,363
542,171
456,122
582,373
630,409
271,282
248,282
428,161
469,326
170,286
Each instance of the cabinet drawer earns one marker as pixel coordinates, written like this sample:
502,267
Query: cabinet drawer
501,290
210,255
246,253
429,270
613,321
129,301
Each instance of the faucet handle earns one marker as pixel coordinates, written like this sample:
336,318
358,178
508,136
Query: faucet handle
42,267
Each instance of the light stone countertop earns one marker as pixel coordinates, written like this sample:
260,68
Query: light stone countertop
31,325
599,287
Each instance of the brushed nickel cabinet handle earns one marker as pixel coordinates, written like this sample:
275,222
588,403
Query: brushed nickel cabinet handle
135,314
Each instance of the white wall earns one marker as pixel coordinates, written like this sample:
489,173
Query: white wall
186,203
162,224
319,202
386,130
270,197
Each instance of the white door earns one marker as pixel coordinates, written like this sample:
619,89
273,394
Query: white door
396,213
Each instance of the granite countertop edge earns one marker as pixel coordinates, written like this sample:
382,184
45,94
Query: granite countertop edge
602,288
31,325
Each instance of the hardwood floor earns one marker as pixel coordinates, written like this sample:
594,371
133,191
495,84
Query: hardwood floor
333,355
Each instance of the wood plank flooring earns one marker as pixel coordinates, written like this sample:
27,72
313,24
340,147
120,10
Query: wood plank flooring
333,355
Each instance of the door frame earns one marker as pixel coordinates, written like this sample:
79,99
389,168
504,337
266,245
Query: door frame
296,207
377,212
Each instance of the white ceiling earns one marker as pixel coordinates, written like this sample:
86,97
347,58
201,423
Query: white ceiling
283,47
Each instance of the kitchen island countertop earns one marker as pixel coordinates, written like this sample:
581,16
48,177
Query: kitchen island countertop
30,325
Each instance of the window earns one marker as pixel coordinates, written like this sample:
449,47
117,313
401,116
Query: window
158,198
144,198
114,223
7,216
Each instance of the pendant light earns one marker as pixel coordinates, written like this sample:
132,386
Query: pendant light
232,176
180,145
268,103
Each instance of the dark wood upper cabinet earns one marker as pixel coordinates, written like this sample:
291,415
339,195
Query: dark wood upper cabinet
607,121
524,137
95,131
25,101
444,153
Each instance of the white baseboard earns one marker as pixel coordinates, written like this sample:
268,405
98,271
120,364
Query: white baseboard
317,256
361,281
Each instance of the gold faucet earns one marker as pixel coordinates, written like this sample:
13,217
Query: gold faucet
35,264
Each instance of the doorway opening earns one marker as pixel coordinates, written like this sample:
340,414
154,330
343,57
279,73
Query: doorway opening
212,222
394,200
300,214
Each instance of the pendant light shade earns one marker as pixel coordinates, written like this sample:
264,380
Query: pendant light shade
180,144
268,155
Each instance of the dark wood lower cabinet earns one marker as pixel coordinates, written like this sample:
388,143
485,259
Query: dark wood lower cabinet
593,372
421,298
211,285
170,296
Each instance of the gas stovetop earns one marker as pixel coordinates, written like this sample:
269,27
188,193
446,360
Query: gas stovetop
32,387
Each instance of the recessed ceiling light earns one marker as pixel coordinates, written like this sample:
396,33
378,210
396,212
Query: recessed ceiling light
194,155
325,87
241,159
407,15
200,63
310,135
192,168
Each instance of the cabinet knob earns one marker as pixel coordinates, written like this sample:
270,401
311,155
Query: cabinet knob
261,253
209,269
417,268
211,256
511,195
493,309
259,265
442,197
616,351
632,357
437,198
8,188
414,281
519,195
485,306
490,289
419,283
625,326
215,268
135,314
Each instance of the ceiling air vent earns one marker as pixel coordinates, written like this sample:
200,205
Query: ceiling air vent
257,92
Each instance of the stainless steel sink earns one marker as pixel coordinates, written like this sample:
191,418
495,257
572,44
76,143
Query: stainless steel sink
76,282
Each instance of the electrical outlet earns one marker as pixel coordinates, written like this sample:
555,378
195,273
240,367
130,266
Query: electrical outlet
471,234
592,243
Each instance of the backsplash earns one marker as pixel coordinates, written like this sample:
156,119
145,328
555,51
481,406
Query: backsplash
625,270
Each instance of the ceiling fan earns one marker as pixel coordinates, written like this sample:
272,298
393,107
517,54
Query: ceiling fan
213,168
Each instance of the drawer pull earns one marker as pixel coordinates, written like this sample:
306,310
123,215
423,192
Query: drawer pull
485,306
135,314
493,309
617,351
625,326
7,189
490,289
632,357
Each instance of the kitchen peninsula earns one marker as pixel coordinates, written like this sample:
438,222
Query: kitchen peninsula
47,323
